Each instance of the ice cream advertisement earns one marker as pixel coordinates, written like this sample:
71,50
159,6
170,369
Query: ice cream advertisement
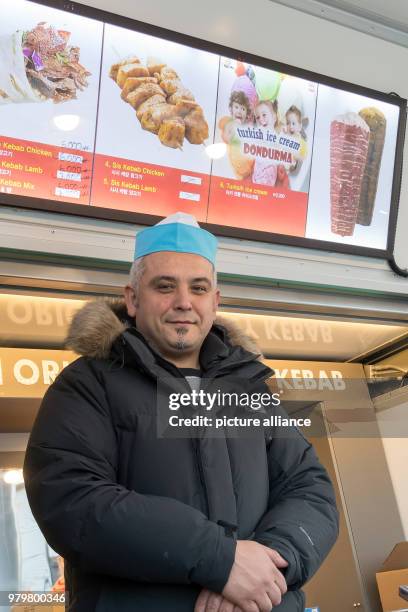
105,116
266,121
49,80
351,181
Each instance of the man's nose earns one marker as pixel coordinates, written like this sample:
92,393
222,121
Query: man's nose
182,299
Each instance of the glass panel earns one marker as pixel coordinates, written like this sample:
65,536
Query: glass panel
27,562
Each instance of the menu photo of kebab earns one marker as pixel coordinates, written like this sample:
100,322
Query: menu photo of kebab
356,148
377,123
40,64
163,104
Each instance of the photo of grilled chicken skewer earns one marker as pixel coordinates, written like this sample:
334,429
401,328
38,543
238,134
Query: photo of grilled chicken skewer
163,105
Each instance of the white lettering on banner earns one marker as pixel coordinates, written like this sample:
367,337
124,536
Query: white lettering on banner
13,309
50,371
269,330
326,334
297,382
248,328
338,381
313,332
35,372
29,372
305,379
295,331
43,316
286,331
60,319
40,313
308,381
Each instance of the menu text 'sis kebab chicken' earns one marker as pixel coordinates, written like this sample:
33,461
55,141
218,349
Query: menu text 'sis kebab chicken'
40,65
162,104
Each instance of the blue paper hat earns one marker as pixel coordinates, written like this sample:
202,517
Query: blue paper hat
179,233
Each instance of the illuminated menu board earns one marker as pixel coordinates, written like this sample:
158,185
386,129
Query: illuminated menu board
49,79
101,115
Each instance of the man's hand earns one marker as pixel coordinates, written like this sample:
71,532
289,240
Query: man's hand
208,601
255,583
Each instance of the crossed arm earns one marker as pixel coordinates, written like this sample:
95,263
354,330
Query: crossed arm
255,583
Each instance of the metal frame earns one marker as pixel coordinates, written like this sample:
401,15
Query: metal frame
105,213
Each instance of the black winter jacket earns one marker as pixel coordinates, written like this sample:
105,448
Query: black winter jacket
142,521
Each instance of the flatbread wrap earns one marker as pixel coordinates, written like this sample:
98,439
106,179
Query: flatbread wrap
39,65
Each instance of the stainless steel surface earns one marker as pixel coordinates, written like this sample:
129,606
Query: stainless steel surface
89,244
242,296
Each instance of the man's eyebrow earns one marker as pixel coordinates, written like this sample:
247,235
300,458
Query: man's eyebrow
157,279
201,279
173,279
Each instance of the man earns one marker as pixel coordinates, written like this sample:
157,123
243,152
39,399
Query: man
150,523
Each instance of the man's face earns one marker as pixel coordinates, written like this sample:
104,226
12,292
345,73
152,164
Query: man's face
176,303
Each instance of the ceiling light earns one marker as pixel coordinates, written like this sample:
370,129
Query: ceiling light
13,477
66,122
216,150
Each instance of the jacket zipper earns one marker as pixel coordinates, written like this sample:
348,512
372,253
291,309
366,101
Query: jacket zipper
196,446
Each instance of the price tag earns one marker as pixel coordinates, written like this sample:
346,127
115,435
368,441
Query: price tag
68,176
67,193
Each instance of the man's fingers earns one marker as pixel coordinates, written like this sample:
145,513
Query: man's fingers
278,560
202,601
227,606
280,582
275,597
250,606
266,601
213,603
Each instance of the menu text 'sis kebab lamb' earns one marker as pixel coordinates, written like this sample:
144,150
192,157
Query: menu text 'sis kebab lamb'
349,137
39,65
163,105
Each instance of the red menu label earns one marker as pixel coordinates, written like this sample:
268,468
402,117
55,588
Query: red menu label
44,171
156,190
257,207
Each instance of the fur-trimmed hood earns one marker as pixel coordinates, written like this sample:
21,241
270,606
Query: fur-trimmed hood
96,326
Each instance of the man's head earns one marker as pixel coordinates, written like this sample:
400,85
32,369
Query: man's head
173,297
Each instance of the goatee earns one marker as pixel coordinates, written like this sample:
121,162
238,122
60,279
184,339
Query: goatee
181,344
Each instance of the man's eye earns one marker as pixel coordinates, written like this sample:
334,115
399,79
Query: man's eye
199,289
164,287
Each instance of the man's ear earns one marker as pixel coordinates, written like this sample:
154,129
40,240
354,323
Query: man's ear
130,299
217,298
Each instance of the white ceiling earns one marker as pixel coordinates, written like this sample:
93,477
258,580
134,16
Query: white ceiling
378,10
386,20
